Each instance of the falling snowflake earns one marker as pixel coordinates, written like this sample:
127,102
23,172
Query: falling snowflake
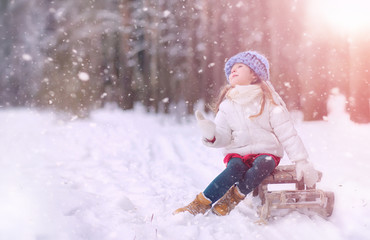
83,76
166,13
26,57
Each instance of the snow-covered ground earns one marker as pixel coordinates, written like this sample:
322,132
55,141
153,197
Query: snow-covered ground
119,175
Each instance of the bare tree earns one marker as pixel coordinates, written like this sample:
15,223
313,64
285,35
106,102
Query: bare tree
75,58
359,88
22,32
286,32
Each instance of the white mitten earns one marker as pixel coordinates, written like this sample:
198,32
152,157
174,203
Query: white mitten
306,170
207,127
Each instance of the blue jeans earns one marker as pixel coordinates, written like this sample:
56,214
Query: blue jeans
238,173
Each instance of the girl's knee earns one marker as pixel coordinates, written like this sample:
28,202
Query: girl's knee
265,162
235,163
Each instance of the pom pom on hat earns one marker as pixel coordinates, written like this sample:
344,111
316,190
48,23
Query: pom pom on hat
257,62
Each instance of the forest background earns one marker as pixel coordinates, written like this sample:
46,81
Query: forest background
79,55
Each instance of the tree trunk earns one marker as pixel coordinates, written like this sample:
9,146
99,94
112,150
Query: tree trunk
359,101
124,57
285,36
314,80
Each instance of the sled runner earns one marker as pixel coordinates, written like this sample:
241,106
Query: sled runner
302,198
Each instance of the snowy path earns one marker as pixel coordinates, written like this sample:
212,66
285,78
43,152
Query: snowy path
119,175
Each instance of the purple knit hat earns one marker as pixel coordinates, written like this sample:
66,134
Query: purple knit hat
257,62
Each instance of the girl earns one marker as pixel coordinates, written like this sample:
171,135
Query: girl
253,127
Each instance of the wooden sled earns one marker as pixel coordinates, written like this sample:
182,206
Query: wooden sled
301,198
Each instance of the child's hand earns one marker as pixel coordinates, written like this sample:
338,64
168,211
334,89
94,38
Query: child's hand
207,127
307,171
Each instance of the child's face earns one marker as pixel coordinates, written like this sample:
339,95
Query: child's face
241,74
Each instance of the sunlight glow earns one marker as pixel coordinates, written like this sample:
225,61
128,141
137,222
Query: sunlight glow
348,16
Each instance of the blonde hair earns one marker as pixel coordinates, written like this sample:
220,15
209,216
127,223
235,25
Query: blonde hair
266,94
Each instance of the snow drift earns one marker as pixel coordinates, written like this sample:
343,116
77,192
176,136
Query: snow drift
119,175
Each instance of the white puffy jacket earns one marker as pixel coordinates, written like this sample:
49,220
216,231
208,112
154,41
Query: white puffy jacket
272,132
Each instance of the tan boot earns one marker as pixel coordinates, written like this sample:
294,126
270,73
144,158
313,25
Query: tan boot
228,201
200,205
